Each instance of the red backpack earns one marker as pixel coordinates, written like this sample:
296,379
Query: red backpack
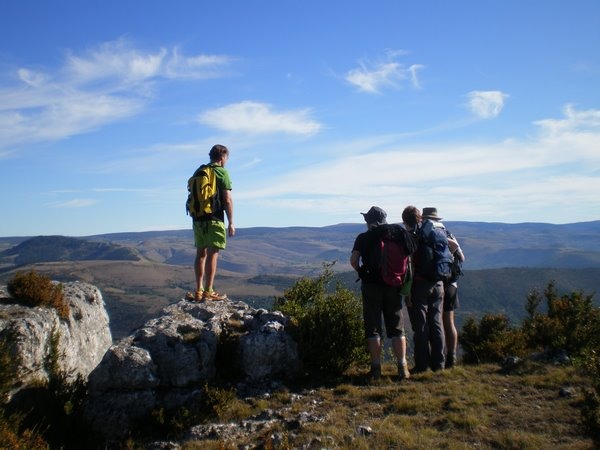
393,262
390,257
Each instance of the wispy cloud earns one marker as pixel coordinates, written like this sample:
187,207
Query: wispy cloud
97,87
119,60
374,77
574,121
74,203
260,118
486,104
510,178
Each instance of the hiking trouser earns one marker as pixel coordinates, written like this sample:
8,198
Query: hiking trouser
380,299
427,299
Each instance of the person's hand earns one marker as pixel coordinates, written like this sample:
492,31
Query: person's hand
362,271
453,245
231,230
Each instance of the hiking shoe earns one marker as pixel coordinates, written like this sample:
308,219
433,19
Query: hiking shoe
374,373
417,370
213,296
194,297
403,373
450,360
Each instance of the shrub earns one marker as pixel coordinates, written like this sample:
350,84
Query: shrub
490,340
571,322
328,322
34,289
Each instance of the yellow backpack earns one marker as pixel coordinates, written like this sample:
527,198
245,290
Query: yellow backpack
203,199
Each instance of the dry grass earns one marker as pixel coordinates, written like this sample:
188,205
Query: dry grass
467,407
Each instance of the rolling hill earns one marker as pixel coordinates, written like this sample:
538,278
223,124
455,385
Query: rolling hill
139,273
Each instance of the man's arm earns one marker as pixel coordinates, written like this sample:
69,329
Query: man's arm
354,259
455,248
228,208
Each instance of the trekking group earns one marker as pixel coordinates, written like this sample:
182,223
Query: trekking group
416,263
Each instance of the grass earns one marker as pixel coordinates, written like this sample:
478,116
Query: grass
466,407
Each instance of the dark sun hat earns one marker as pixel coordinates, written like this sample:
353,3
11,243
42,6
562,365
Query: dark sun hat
430,213
375,216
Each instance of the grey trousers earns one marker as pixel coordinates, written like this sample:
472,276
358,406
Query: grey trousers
426,320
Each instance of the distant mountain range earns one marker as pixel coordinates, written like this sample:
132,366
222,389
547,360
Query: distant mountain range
299,250
61,248
140,273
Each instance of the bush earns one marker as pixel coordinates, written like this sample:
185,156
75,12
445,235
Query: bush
571,322
490,340
34,289
328,323
590,409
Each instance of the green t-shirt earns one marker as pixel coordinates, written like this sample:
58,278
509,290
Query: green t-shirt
223,184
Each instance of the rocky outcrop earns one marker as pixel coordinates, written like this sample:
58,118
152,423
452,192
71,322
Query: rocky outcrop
165,363
27,333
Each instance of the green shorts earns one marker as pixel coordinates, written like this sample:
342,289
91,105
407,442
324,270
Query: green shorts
209,233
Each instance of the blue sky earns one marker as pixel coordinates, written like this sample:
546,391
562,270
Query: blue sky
488,110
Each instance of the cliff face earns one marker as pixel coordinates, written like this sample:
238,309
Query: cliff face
27,333
166,362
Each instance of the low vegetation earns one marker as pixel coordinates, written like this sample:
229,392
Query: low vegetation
539,403
46,415
327,323
35,289
561,328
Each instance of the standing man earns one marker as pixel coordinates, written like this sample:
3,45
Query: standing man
209,230
427,295
378,298
451,302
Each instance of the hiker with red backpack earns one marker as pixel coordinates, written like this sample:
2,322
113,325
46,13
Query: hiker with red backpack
381,257
209,201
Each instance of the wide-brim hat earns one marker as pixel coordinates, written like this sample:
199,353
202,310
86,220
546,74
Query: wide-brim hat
430,213
375,216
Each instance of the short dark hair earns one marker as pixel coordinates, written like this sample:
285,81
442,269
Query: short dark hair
411,216
217,152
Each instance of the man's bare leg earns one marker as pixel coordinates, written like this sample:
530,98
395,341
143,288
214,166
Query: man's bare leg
212,257
199,265
399,348
451,338
374,346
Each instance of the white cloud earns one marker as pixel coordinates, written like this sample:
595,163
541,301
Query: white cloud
117,59
372,78
103,85
486,104
508,179
74,203
260,118
574,121
34,79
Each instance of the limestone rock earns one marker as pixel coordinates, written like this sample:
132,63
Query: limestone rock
165,363
83,338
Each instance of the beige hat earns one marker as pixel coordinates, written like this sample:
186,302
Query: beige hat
430,213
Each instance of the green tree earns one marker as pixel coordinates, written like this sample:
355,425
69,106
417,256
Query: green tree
327,322
570,322
490,340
